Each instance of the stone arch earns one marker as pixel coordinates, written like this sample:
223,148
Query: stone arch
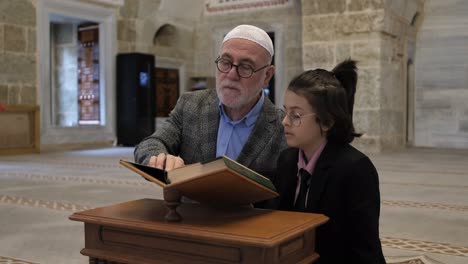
165,35
415,20
398,43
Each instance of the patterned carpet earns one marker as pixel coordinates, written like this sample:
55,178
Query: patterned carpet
39,192
410,260
413,260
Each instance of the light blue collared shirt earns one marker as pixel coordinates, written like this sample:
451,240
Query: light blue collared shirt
232,135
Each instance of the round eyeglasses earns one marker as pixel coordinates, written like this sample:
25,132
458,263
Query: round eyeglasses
296,118
243,70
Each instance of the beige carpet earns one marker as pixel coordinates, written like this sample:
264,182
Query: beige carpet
412,260
402,260
424,192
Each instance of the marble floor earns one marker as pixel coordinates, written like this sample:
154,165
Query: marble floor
424,216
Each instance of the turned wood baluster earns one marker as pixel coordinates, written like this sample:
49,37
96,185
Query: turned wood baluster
172,201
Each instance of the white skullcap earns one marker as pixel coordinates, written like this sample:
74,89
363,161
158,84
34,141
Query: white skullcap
251,33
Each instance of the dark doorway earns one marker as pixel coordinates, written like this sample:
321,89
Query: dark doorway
135,97
167,90
270,89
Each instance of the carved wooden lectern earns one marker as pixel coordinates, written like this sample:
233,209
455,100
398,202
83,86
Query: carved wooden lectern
137,232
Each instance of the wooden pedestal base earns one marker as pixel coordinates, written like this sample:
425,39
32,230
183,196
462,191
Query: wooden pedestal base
138,232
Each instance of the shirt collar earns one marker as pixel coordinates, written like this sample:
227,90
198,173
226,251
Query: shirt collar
250,117
309,166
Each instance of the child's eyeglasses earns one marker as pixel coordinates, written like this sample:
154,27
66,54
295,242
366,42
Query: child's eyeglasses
295,118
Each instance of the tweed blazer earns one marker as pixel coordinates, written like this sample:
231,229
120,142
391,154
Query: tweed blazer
191,132
345,187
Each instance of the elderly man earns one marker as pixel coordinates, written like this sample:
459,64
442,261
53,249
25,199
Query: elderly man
236,120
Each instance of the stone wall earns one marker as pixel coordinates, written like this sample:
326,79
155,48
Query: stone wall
132,17
383,35
374,34
18,52
397,44
441,68
139,21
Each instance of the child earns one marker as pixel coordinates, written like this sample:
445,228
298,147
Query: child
322,173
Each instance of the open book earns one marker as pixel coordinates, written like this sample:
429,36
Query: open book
222,181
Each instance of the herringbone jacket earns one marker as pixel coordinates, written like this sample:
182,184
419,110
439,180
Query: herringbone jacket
192,128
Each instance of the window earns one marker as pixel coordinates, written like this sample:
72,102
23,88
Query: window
76,47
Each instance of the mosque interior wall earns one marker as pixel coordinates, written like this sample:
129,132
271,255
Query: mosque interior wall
383,36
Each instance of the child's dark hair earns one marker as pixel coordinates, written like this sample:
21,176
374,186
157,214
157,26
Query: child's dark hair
331,94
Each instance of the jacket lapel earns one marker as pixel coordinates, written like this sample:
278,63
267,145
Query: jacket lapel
319,178
260,136
208,128
288,178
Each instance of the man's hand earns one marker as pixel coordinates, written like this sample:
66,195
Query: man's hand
166,162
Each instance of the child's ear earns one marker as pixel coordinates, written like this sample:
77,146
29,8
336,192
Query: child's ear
326,126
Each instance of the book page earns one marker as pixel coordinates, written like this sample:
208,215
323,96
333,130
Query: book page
248,173
194,170
241,168
152,174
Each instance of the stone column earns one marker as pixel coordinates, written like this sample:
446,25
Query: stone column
373,33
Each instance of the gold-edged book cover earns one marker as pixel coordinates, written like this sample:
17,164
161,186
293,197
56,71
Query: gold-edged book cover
222,181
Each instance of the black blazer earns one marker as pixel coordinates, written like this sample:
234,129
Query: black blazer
345,187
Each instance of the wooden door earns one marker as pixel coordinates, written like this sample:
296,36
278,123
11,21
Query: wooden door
167,90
